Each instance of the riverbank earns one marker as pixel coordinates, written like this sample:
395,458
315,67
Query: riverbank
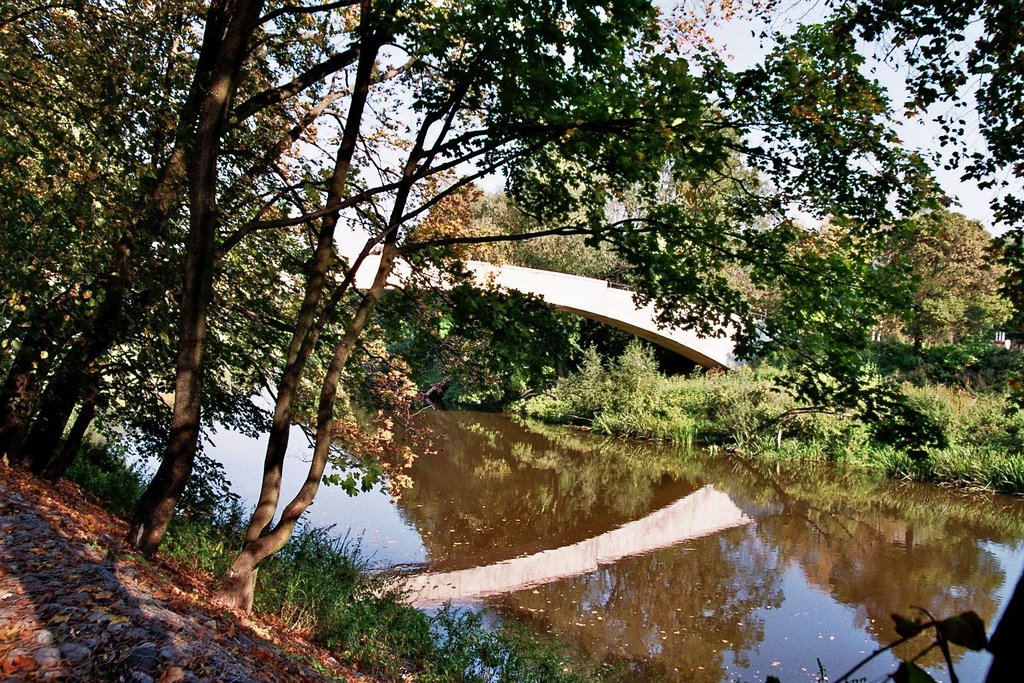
76,605
84,606
980,430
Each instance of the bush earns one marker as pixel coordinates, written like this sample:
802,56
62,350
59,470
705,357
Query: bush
101,470
976,364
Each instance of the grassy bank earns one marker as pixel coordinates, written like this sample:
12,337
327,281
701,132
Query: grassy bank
965,395
319,587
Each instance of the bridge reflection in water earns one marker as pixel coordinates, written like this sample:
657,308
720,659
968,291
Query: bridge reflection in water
699,514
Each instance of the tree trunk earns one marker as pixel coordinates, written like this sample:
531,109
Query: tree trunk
233,23
1006,640
20,391
55,408
58,466
75,372
238,586
305,334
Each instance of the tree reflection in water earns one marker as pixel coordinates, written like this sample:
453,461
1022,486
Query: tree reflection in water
697,611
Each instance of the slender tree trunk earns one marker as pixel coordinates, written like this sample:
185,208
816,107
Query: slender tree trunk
234,21
237,589
58,466
305,334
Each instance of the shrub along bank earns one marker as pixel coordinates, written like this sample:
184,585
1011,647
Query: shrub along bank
963,392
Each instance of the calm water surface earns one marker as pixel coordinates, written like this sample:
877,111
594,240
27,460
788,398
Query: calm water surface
670,563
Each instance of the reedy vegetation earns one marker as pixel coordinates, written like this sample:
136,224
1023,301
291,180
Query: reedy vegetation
961,391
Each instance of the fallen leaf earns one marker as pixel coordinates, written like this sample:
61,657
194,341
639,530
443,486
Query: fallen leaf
172,674
13,665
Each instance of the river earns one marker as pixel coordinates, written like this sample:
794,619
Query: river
673,563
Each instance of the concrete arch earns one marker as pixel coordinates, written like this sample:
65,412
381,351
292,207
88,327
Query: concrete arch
590,298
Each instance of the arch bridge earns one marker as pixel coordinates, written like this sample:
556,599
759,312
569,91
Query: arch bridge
587,297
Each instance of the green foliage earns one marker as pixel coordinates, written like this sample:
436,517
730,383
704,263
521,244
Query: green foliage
620,397
975,364
952,50
956,294
101,469
921,431
497,215
491,346
320,584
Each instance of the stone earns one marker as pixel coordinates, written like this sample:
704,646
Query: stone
44,637
48,658
74,652
144,657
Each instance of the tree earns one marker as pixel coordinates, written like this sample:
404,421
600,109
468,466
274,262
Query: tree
497,215
83,313
573,134
959,54
963,68
957,292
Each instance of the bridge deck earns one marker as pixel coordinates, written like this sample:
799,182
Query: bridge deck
590,298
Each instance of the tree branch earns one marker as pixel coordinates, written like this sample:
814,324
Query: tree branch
312,9
312,75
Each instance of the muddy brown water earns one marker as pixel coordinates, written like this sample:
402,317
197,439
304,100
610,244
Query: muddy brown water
674,563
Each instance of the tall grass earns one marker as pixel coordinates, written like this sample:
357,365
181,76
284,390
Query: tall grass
320,585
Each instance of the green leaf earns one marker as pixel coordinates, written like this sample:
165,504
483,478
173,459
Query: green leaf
966,630
905,627
908,672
